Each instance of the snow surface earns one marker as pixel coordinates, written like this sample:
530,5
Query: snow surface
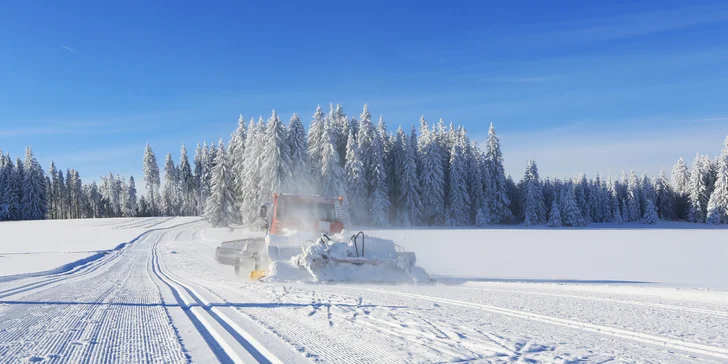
32,246
671,253
163,298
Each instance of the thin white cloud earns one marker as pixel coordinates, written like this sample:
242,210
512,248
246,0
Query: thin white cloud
69,48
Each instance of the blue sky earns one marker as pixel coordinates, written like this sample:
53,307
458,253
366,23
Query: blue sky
579,86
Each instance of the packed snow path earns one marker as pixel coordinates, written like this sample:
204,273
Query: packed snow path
163,298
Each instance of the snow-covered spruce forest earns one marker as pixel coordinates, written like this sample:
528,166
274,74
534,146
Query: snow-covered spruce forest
427,176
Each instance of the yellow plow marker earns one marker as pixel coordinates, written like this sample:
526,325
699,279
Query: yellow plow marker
256,275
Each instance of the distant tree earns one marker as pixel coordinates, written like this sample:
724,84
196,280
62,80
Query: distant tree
300,165
151,179
252,197
220,208
374,170
718,203
332,174
650,217
680,183
458,206
236,151
171,199
570,212
700,189
356,189
555,217
432,178
664,197
616,215
315,146
410,205
534,208
130,210
496,195
186,184
633,198
33,201
275,169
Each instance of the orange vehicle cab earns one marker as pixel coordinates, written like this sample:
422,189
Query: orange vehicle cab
306,213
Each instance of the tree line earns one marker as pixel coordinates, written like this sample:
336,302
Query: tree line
431,175
27,192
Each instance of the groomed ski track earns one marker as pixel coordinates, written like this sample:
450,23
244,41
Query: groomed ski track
163,298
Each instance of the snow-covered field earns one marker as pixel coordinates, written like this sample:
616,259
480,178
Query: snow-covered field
163,298
31,246
672,253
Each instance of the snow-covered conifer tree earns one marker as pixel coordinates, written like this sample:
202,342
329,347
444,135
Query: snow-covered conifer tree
458,206
131,199
650,217
151,179
11,190
186,184
332,175
252,197
532,201
415,143
386,141
275,169
33,200
374,170
647,192
680,178
432,178
664,197
171,196
53,191
547,188
514,195
409,206
199,170
236,151
315,137
220,209
300,165
211,160
633,198
342,131
355,181
555,216
474,177
203,190
581,192
718,203
570,212
699,189
680,183
616,215
496,195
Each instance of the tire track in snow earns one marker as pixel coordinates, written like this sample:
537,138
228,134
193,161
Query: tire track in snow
366,339
83,269
116,316
598,329
203,314
611,300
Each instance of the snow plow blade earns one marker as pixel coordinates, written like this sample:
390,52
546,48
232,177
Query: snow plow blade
256,275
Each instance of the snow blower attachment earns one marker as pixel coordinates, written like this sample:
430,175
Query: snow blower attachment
293,250
358,260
